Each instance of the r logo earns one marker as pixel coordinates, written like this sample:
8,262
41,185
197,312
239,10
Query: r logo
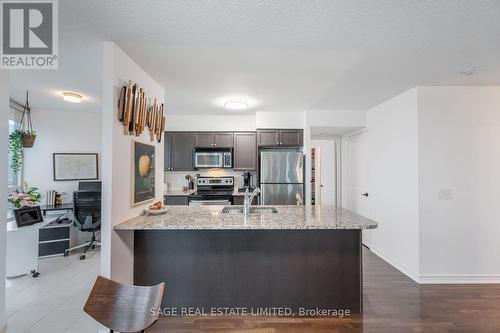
27,28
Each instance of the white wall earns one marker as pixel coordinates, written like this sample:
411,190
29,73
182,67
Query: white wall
459,150
210,123
393,181
264,119
426,142
117,250
235,122
60,132
4,129
342,119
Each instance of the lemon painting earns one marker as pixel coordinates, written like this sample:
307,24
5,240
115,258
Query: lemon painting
144,173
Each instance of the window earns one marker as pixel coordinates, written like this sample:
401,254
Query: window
14,178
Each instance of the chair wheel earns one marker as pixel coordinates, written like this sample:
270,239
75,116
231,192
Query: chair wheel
93,247
82,257
66,253
35,274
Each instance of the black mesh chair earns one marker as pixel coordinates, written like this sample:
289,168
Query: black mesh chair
87,211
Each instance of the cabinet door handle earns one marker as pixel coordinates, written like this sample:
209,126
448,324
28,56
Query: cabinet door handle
365,194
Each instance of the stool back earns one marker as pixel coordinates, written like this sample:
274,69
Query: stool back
124,308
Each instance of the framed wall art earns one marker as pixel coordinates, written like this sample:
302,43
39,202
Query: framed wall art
143,170
75,166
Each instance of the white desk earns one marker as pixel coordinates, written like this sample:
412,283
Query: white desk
22,246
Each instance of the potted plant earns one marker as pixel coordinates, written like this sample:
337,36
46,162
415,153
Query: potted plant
29,137
26,197
28,134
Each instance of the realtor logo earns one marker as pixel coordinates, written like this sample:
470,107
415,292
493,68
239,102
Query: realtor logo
29,34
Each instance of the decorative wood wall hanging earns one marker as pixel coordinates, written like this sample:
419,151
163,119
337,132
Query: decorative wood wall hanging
136,112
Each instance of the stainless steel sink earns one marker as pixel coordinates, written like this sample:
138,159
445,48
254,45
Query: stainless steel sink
232,210
238,210
261,210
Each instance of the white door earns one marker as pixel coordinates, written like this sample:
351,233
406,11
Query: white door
326,165
358,165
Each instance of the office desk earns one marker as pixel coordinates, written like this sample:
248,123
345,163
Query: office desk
22,246
50,208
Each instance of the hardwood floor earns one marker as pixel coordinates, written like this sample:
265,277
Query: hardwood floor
393,304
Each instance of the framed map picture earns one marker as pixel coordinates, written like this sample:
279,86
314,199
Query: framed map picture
75,166
143,173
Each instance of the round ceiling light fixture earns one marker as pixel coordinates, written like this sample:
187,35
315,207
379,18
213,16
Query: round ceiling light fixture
236,105
72,97
469,71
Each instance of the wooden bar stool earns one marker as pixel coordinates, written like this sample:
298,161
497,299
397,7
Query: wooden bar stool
124,308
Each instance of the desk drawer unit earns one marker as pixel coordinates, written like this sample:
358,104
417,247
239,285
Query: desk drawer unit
53,240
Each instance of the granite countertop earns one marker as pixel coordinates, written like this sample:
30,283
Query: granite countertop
287,217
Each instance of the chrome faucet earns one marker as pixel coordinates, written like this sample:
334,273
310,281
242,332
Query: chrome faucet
248,199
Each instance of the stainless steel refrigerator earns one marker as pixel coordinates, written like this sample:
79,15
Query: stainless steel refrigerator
282,178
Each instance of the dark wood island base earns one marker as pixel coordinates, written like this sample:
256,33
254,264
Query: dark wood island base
252,269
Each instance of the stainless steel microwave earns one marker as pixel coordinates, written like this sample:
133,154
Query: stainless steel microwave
211,158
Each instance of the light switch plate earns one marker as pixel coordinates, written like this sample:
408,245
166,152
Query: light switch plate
445,194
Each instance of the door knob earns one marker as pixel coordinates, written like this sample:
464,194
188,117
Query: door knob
365,194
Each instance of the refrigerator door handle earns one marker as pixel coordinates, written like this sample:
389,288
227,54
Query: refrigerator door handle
262,195
300,202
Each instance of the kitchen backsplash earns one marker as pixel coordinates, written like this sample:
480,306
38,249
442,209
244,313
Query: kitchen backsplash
175,180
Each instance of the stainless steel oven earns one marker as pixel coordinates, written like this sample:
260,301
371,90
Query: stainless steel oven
213,191
209,158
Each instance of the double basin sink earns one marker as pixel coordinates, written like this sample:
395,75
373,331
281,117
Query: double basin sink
253,210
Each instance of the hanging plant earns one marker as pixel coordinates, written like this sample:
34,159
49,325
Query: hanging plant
28,134
16,149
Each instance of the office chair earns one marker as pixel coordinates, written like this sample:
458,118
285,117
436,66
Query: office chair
87,212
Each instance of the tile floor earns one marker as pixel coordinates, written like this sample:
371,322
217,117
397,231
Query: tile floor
54,301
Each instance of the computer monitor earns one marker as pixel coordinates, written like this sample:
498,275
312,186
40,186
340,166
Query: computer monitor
94,186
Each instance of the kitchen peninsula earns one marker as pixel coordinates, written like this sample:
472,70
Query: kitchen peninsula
298,257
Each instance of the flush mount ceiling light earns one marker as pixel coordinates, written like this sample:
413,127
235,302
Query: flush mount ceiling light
236,105
469,71
72,97
236,102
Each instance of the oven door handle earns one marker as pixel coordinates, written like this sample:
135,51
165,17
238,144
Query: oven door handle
211,202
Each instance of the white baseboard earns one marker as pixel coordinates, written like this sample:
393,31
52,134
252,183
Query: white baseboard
437,278
460,278
395,263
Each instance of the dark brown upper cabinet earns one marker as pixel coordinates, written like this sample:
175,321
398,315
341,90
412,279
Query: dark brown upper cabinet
280,138
179,151
205,139
268,138
167,157
291,138
214,139
245,151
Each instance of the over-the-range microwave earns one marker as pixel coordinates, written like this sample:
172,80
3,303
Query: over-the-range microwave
213,158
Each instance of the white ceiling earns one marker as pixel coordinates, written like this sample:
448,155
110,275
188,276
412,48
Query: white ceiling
289,55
